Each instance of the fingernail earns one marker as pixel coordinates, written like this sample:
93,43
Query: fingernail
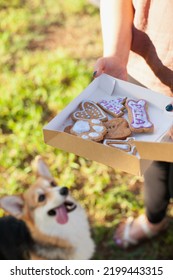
94,73
169,107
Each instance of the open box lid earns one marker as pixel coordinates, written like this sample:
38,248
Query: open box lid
91,150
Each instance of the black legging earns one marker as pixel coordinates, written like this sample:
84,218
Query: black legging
158,190
158,187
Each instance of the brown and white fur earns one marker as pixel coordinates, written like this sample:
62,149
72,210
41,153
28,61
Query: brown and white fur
57,224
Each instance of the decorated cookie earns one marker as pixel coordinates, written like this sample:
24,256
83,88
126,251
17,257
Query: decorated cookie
114,107
92,129
68,128
89,110
117,128
138,117
126,145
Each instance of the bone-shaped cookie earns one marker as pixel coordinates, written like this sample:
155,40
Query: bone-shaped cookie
138,116
89,110
126,145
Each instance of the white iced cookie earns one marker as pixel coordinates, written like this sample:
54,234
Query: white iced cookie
89,129
126,145
81,126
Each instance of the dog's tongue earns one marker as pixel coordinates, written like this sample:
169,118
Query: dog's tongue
61,215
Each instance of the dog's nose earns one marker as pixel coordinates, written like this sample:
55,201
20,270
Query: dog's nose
64,191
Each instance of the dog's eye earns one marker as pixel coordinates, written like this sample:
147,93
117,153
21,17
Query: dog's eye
41,197
53,183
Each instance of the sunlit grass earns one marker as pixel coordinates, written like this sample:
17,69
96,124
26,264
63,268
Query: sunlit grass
35,85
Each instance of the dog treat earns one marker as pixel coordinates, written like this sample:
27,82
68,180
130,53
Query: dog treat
138,116
68,128
89,129
114,107
117,128
126,145
89,110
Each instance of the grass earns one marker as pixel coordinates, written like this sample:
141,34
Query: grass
47,59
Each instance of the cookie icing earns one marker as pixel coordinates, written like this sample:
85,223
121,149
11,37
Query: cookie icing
89,110
139,114
115,106
93,134
98,128
89,129
81,126
95,121
122,146
126,145
85,137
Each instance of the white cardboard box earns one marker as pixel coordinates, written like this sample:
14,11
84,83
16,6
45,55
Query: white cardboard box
150,146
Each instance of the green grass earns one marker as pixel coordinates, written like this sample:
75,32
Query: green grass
37,80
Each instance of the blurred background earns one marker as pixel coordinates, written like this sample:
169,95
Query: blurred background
47,52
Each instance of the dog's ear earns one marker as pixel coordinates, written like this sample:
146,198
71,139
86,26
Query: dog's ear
13,204
42,168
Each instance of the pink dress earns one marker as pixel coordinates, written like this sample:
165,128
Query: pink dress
151,56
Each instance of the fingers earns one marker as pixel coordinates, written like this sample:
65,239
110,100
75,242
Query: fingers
170,133
111,66
99,67
169,108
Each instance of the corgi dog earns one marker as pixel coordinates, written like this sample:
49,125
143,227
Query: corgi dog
45,222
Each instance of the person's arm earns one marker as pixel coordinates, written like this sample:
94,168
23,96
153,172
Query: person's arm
170,133
116,22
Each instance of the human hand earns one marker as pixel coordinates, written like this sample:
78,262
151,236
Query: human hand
112,66
170,132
